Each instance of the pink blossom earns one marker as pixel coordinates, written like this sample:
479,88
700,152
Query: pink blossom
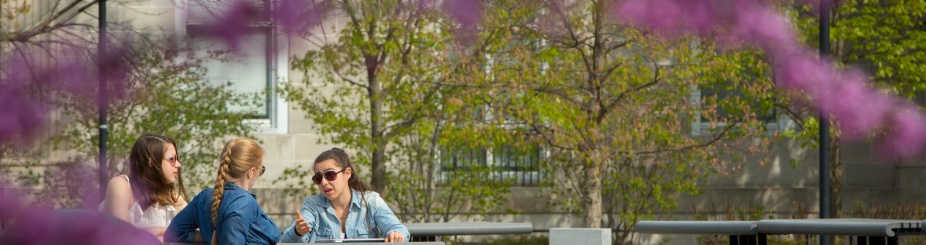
846,96
70,226
858,108
802,72
40,223
763,27
467,14
907,137
32,85
233,24
297,17
22,115
664,16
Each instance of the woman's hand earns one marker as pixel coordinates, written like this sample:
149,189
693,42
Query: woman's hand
395,237
302,227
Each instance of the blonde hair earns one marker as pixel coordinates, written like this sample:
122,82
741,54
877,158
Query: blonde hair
238,156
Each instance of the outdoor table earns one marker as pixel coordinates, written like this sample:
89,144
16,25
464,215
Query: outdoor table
428,231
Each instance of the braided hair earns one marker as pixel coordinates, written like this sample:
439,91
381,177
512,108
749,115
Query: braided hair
238,156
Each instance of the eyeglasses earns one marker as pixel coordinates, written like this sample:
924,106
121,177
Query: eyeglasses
173,159
262,170
329,175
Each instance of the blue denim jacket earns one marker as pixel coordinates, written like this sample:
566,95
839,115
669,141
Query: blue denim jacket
240,219
318,213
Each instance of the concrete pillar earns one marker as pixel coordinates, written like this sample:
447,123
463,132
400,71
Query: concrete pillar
569,236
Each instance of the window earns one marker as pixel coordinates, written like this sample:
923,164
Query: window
520,165
465,159
504,163
255,69
701,124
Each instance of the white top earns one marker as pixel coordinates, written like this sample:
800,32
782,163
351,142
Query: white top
155,216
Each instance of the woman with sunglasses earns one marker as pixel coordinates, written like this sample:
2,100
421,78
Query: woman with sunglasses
228,213
152,193
346,208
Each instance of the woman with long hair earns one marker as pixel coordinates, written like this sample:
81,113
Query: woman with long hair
228,213
346,208
152,193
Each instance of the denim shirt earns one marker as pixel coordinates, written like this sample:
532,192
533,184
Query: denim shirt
319,214
240,219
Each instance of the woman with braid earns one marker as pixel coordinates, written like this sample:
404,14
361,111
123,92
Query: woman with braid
228,213
346,208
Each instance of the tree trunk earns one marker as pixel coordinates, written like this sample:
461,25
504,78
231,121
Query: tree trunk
836,178
378,181
377,136
593,209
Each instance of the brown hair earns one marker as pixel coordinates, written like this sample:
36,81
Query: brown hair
354,182
238,156
146,178
340,157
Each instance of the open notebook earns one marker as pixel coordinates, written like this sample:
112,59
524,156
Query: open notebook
349,240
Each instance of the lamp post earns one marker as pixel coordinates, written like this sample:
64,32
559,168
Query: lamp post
102,101
824,125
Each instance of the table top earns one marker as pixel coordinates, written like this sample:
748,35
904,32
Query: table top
468,228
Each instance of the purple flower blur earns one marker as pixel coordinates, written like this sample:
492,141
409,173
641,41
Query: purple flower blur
906,137
42,225
22,115
31,86
294,17
38,223
846,95
666,16
467,14
297,17
233,24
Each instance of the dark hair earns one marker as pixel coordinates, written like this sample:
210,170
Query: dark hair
146,178
340,158
238,156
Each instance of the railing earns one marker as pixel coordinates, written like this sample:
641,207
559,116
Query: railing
865,231
430,231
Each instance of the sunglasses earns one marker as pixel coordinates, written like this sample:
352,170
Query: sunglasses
173,159
262,170
329,175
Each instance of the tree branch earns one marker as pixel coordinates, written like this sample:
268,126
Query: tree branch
791,114
614,102
713,140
